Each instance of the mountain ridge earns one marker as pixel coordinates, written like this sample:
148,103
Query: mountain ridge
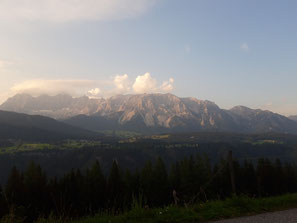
151,113
293,117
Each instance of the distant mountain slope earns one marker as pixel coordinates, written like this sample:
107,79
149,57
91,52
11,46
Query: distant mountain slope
151,113
58,107
21,126
293,117
259,121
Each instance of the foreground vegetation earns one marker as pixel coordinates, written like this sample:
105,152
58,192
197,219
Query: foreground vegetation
235,206
191,182
203,212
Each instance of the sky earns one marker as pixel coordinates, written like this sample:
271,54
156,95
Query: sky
232,52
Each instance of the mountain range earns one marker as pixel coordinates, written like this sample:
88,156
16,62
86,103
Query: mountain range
150,113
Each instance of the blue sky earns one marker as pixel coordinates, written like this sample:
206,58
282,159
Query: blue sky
228,51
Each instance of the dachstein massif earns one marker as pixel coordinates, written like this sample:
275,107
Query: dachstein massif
149,113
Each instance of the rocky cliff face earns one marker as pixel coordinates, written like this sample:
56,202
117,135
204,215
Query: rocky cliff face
150,111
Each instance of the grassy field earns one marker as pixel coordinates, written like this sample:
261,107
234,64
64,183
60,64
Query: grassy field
212,210
21,147
66,144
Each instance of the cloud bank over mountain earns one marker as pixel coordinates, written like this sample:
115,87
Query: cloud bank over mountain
52,87
120,84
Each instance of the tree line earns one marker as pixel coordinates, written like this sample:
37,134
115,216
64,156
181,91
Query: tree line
31,194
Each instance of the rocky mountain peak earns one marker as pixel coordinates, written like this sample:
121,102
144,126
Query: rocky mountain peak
165,112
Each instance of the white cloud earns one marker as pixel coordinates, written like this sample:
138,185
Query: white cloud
122,84
94,93
53,87
167,86
145,84
72,10
244,47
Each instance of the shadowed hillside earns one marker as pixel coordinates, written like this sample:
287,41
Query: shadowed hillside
32,127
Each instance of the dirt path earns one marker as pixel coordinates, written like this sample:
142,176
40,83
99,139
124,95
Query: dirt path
289,216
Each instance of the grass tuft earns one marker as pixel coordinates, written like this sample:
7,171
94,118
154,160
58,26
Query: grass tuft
212,210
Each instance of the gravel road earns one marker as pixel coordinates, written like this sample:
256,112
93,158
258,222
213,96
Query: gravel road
289,216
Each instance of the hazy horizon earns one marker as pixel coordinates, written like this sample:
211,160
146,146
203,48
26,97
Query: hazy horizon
229,52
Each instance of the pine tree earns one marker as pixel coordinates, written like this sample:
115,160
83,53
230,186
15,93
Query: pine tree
202,174
290,175
146,182
15,189
160,187
175,177
189,180
132,188
221,185
265,174
115,188
3,204
35,182
248,179
95,189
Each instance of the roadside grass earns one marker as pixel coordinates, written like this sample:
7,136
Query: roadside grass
203,212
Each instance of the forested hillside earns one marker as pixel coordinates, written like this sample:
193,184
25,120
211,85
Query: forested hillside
19,126
31,194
